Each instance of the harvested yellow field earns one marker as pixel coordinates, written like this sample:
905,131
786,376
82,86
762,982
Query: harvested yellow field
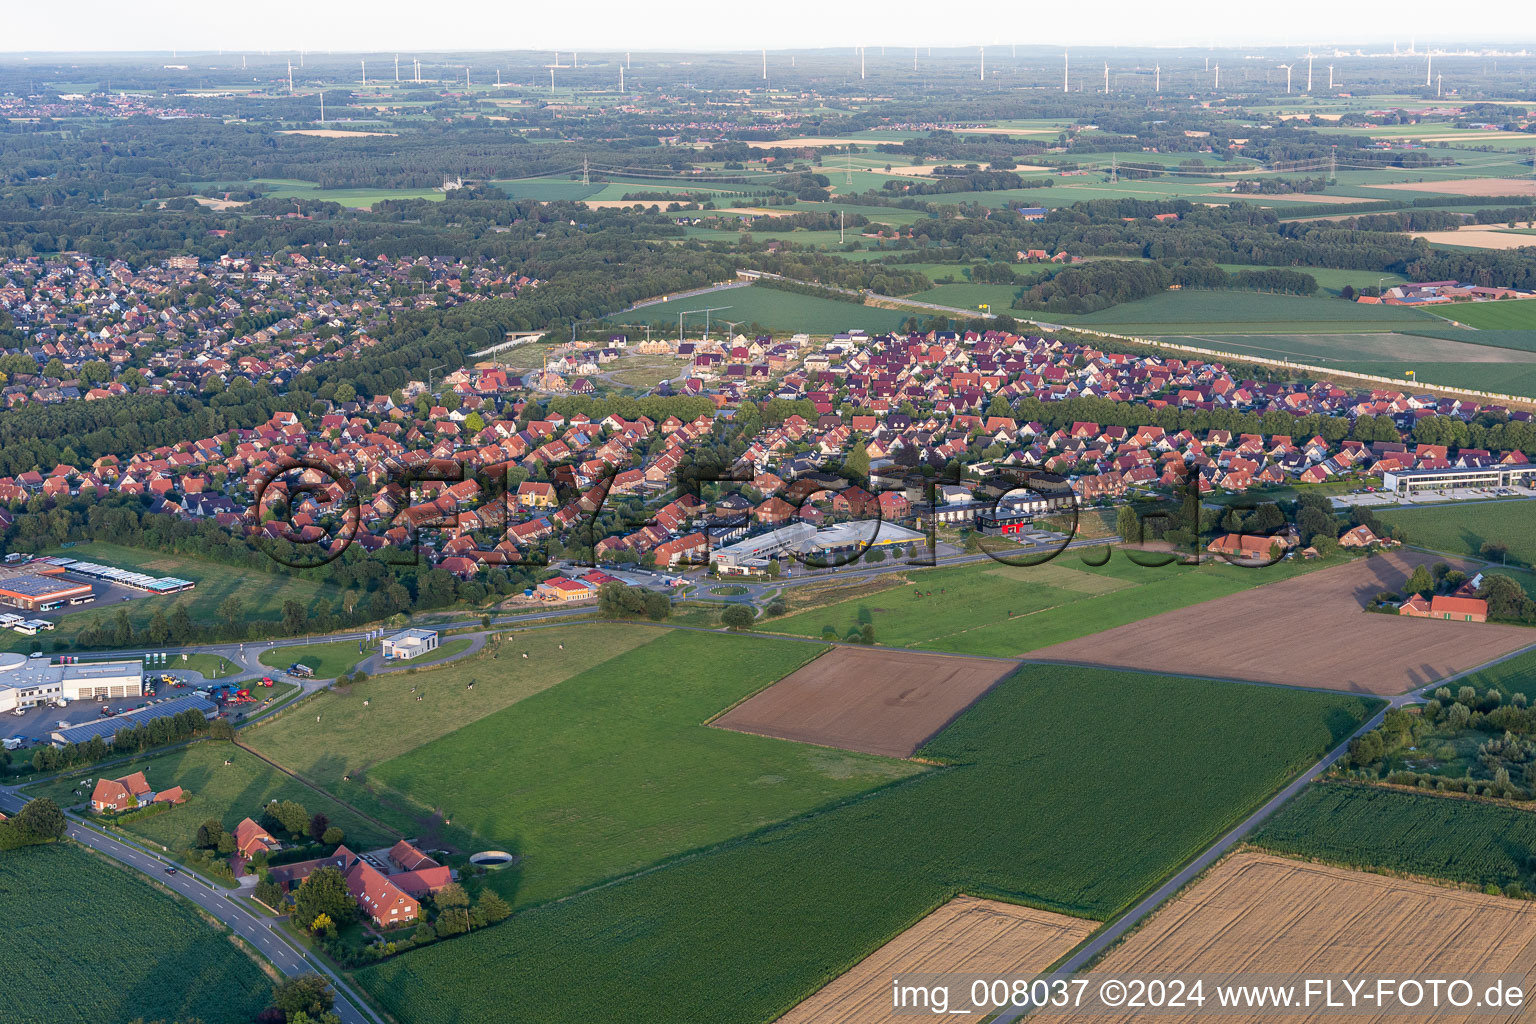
1469,186
1480,237
813,143
967,935
1256,913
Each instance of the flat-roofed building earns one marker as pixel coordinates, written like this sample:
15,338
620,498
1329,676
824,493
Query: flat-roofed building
410,643
28,682
1408,482
41,593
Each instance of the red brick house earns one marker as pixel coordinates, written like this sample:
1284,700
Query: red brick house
251,839
122,794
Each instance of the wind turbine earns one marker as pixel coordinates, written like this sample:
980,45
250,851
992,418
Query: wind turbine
1429,65
1309,69
621,78
983,50
290,78
861,63
364,63
1287,78
1066,69
1106,78
765,65
1157,78
1218,78
1330,78
397,69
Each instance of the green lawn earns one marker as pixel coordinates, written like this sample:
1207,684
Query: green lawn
1242,312
770,307
329,660
332,734
1506,315
1472,842
85,941
613,769
1073,789
211,666
228,792
262,593
1463,527
988,608
1511,676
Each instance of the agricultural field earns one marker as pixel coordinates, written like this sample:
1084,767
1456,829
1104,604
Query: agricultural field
1463,527
1348,648
769,307
987,608
1256,914
332,735
357,198
1510,676
613,768
878,701
229,792
1469,842
965,935
1243,312
129,952
1507,315
262,594
1013,817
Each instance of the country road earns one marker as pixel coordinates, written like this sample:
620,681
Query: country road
256,931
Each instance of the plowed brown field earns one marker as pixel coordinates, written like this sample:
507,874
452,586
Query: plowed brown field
869,699
966,935
1268,915
1310,630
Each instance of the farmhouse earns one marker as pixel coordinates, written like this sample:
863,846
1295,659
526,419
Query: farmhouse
1459,609
410,643
251,839
1247,546
122,794
388,890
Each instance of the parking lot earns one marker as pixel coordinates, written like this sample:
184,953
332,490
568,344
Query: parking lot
37,724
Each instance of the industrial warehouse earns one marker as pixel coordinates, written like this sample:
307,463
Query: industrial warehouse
27,682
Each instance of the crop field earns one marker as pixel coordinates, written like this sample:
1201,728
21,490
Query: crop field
1014,817
262,593
214,789
1243,312
1347,648
987,608
333,734
770,307
965,935
1506,315
1463,527
128,952
1259,914
1469,842
858,698
1404,351
1511,676
614,769
358,198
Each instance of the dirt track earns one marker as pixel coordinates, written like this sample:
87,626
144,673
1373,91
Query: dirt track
870,699
966,935
1310,630
1269,915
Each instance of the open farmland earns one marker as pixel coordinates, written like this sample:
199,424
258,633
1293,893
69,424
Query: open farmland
128,951
334,734
1260,914
1463,527
859,698
966,935
1014,816
1506,315
1478,237
1468,186
986,608
614,769
1195,311
1469,842
229,792
1254,635
1510,676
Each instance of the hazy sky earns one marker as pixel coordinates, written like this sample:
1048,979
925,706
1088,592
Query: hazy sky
391,25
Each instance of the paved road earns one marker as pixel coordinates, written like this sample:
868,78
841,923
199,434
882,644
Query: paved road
258,931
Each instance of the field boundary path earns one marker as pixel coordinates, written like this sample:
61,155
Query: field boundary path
258,932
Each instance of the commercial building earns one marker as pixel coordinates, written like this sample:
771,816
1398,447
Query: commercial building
27,682
41,593
1409,482
412,643
106,728
752,554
